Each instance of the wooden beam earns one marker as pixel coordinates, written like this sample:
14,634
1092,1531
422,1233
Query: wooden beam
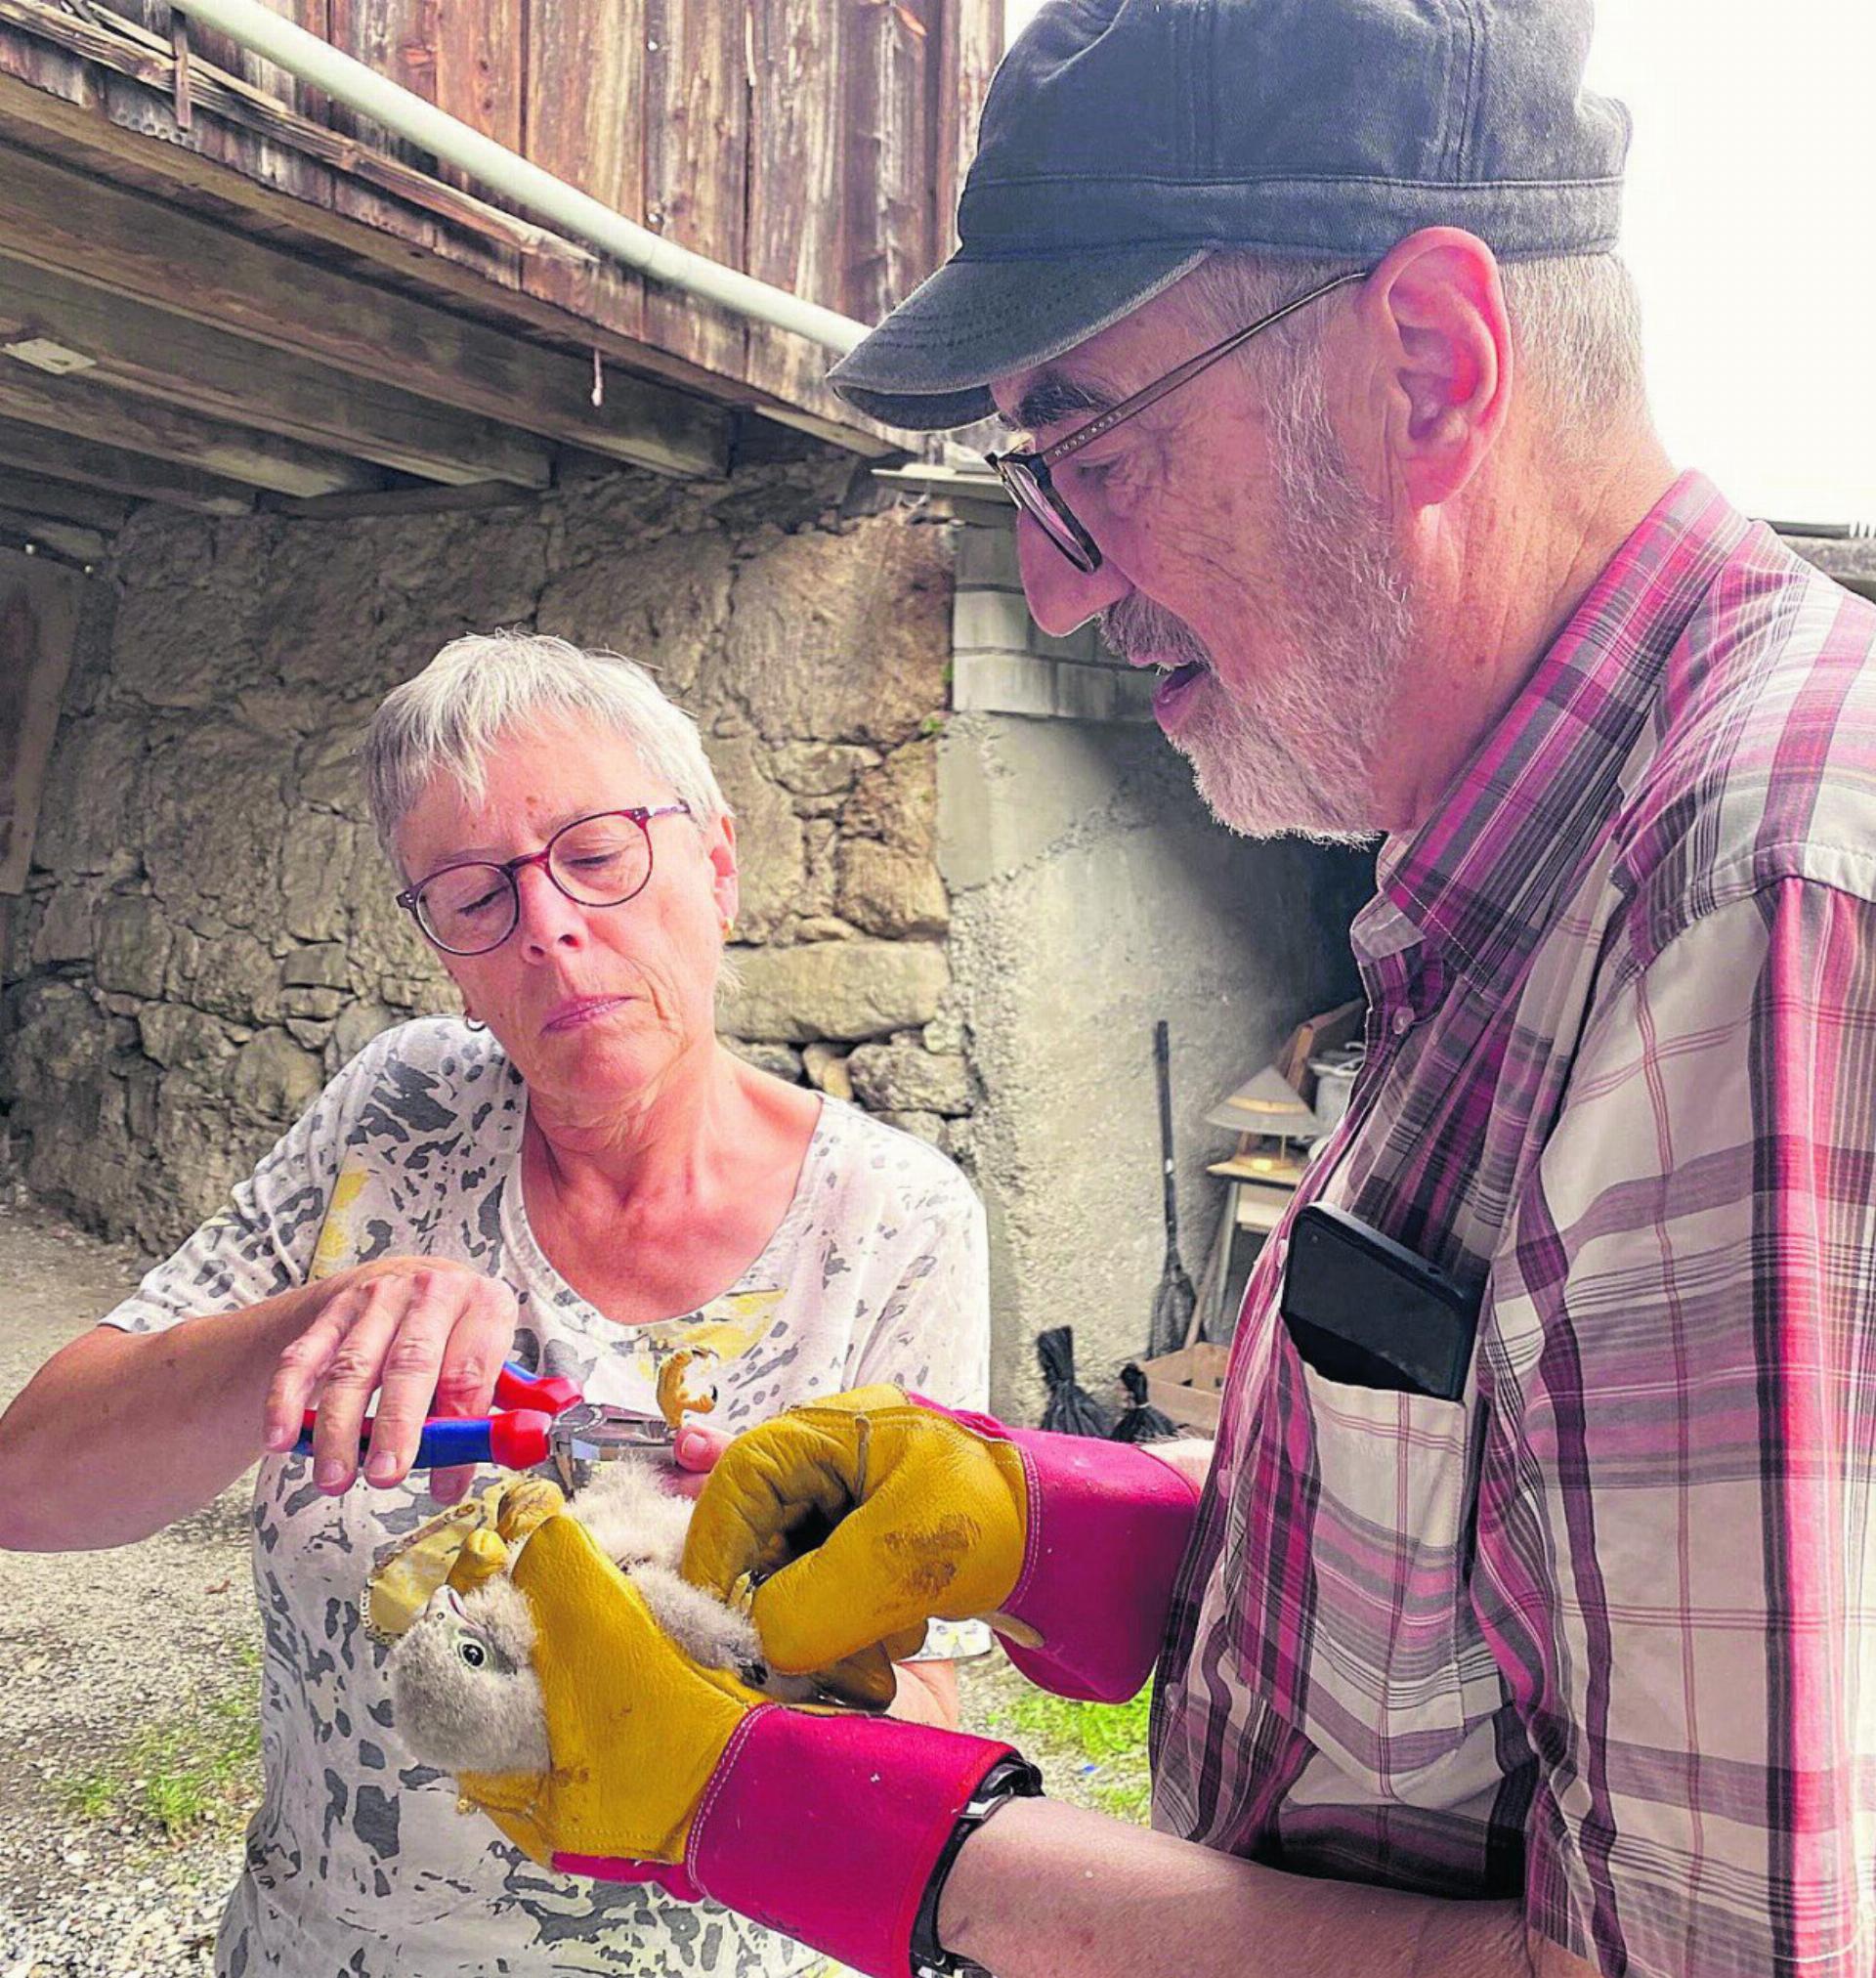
91,465
124,47
431,501
87,411
142,352
160,254
55,104
35,495
563,301
39,605
64,539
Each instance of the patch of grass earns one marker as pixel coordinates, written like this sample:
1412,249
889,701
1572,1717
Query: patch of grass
198,1767
1095,1731
1094,1754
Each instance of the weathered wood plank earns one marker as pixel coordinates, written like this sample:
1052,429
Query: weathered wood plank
227,54
794,179
479,71
583,121
88,411
133,246
462,268
90,464
884,152
125,48
39,605
393,40
696,124
465,59
290,169
35,495
51,122
142,351
971,46
53,68
430,500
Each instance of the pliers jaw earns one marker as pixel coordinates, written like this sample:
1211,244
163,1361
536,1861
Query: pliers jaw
591,1431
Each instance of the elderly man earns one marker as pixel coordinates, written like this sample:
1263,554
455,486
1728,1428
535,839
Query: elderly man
1521,1619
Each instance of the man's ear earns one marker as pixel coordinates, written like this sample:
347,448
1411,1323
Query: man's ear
1438,353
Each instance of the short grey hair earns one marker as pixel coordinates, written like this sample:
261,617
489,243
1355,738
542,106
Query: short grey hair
446,719
1576,327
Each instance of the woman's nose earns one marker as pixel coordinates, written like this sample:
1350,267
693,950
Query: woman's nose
1060,596
549,919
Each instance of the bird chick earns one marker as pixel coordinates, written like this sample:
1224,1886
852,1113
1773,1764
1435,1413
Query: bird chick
463,1687
463,1690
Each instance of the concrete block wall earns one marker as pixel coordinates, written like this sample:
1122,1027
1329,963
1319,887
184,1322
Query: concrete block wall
1091,894
1002,663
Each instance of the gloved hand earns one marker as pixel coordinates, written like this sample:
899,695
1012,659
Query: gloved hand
634,1726
825,1827
861,1517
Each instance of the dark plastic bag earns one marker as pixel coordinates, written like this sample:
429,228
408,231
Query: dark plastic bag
1070,1411
1140,1421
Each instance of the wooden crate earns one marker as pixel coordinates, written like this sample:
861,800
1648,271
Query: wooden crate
1186,1383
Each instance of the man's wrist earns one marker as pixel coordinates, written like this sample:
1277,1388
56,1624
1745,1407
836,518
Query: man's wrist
1011,1777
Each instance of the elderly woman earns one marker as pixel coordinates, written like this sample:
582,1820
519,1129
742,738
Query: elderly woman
577,1175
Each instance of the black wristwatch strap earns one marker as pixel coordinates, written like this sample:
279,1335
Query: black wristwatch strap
1010,1778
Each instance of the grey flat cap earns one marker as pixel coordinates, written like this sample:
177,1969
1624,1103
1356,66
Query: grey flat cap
1125,139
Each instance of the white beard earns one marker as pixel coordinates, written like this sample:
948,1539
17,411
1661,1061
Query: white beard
1292,752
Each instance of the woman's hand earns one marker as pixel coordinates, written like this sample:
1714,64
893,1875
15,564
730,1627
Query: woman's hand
429,1335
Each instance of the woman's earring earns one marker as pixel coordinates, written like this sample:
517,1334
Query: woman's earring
729,928
472,1022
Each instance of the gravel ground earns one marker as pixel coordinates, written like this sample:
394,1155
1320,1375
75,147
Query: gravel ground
99,1648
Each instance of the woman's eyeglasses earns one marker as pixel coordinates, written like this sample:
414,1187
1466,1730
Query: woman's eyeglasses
598,861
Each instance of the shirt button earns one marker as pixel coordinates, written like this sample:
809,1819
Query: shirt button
1403,1023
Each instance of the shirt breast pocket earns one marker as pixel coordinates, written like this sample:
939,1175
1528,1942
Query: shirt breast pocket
1354,1549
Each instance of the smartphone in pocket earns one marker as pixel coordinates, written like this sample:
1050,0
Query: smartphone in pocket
1364,1311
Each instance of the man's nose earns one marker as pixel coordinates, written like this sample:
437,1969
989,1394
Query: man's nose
549,919
1060,596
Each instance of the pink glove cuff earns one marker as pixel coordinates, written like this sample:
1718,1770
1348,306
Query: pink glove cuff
827,1828
1107,1529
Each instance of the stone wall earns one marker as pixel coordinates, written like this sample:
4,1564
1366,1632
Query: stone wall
208,931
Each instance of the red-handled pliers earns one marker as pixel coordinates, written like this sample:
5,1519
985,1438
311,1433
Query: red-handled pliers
538,1416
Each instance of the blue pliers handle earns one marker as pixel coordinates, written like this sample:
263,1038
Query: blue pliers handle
515,1438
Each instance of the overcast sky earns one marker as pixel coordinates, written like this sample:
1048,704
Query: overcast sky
1750,223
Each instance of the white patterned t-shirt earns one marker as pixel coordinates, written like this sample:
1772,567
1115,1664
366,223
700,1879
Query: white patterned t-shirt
358,1862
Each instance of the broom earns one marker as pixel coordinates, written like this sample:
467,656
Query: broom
1174,1301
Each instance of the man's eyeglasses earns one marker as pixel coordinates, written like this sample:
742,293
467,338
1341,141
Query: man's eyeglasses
598,861
1026,475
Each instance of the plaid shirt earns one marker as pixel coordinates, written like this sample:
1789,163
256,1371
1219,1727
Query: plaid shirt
1597,1633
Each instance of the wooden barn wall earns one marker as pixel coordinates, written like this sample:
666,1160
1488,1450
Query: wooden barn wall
816,144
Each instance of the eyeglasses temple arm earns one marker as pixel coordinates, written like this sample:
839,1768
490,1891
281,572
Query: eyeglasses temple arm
1106,421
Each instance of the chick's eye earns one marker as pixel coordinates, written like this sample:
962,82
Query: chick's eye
472,1652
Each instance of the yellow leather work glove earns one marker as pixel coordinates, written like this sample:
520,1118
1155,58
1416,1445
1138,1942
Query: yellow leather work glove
634,1727
860,1519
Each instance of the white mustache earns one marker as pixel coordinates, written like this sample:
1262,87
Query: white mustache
1136,625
